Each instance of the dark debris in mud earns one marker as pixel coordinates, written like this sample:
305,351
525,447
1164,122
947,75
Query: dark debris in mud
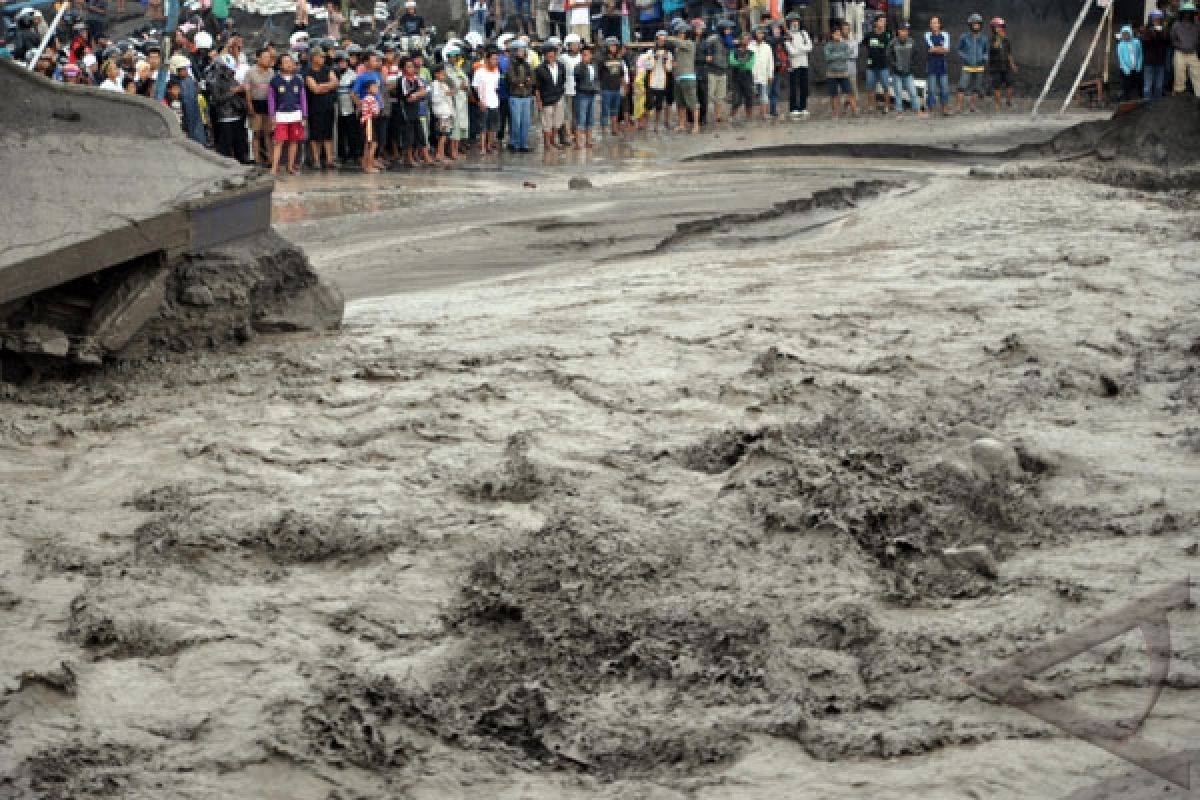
74,770
286,538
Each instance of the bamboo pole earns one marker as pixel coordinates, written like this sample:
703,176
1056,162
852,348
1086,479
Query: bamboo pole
50,31
1087,5
1087,60
1108,40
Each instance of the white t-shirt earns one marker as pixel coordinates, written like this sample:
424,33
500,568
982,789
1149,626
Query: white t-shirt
111,85
487,84
580,14
569,62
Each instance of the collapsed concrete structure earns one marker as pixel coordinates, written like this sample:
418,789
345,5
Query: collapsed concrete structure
122,237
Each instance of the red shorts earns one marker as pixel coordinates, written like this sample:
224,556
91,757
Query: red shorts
289,131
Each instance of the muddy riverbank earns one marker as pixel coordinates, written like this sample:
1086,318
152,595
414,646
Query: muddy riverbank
649,520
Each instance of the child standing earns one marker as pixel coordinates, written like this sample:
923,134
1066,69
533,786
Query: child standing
368,110
288,108
443,111
174,99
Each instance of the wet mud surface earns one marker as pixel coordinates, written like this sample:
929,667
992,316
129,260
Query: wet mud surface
677,521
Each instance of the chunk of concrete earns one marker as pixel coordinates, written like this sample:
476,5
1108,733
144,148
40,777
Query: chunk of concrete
128,305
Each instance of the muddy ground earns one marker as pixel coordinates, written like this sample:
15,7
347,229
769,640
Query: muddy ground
665,517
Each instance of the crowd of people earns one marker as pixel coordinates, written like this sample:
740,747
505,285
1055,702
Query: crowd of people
326,101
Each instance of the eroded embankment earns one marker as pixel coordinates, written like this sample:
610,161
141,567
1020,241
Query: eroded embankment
1151,147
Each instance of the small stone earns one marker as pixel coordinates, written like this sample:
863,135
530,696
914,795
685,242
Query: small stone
197,295
995,457
579,183
975,558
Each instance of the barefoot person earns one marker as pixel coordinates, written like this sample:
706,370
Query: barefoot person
972,50
837,73
714,54
900,61
288,107
587,86
937,79
486,83
1001,66
368,110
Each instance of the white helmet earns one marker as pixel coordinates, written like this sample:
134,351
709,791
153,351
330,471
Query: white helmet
204,40
572,38
503,40
474,39
296,38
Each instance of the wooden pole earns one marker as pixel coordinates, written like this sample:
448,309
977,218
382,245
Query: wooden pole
1087,60
1087,6
1108,40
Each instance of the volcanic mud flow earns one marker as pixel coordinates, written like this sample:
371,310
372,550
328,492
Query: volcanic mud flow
710,521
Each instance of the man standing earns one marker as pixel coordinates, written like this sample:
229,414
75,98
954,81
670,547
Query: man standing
520,96
228,101
1155,43
550,84
798,44
1001,65
937,80
189,95
486,83
349,132
258,80
687,98
1185,36
900,61
714,53
321,86
973,50
764,70
878,80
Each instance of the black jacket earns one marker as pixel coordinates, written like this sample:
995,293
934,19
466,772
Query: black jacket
226,103
587,78
550,85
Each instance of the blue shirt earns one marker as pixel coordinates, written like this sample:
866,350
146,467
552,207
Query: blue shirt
936,64
363,80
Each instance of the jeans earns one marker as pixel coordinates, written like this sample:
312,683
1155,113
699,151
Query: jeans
585,112
1153,76
479,22
902,83
798,89
773,94
612,105
877,77
520,110
937,90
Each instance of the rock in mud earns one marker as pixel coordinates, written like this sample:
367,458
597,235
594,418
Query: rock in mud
197,295
579,183
996,458
976,558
